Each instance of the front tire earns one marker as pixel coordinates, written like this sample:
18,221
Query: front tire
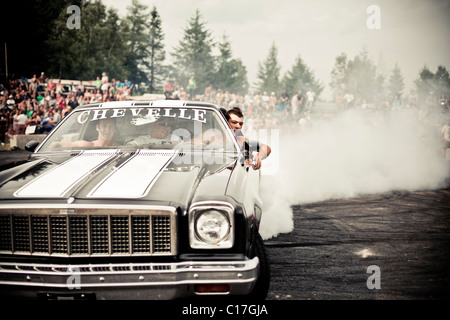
261,288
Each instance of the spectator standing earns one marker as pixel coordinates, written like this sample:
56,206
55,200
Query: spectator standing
11,102
80,88
208,92
219,97
192,85
42,80
98,83
59,88
284,103
272,102
51,87
22,121
15,116
295,104
265,101
257,102
397,103
105,83
301,99
73,88
33,87
348,100
310,98
168,89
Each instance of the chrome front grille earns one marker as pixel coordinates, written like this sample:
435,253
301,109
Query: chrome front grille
88,234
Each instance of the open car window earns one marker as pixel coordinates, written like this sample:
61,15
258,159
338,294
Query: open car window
141,128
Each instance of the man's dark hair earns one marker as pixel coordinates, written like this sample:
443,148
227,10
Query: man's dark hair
237,111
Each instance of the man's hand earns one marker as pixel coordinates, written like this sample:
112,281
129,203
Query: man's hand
256,161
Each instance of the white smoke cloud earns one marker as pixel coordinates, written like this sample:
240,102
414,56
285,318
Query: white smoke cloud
350,155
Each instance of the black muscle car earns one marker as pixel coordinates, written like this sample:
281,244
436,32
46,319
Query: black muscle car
133,200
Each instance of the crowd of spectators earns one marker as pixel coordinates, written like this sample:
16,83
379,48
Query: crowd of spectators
262,110
37,104
302,110
298,111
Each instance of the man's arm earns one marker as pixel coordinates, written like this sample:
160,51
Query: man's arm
264,152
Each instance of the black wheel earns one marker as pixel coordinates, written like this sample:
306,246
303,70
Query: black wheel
261,287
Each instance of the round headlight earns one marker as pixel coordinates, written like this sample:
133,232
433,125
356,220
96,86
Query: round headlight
212,226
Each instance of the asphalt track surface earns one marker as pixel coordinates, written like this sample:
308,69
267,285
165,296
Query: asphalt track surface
405,235
392,246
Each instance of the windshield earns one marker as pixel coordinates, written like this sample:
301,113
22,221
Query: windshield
142,128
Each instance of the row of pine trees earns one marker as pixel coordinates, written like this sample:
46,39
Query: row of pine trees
133,48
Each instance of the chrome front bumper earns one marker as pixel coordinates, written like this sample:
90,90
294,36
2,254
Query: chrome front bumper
126,281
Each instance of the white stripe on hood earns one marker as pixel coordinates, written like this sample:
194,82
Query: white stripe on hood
58,181
135,177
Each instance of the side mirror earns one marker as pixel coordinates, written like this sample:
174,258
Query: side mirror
31,145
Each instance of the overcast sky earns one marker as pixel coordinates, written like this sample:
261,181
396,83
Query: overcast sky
412,33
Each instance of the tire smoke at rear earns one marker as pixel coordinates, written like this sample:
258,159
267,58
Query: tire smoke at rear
357,152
